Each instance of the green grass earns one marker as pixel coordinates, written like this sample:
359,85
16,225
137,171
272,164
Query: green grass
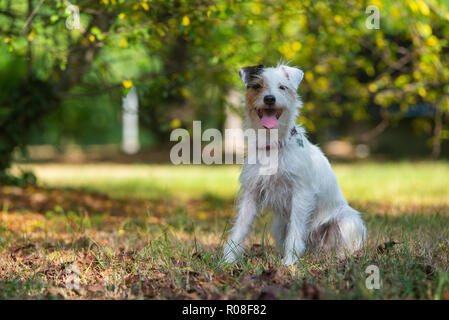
143,181
161,235
397,183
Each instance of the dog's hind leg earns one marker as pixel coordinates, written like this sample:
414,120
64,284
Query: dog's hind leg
343,234
352,229
247,211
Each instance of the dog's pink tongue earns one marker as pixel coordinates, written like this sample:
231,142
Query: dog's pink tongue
269,122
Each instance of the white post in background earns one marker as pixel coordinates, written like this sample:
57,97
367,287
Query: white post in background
236,145
130,105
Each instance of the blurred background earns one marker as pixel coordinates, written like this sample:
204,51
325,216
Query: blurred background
370,92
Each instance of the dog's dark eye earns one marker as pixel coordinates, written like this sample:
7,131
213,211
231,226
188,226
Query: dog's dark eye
255,86
283,87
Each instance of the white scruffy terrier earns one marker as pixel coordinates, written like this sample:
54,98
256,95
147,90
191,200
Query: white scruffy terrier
308,205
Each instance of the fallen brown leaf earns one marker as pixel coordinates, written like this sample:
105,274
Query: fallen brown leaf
15,249
312,291
95,288
386,246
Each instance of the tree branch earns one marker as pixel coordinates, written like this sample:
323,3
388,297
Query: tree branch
377,130
31,16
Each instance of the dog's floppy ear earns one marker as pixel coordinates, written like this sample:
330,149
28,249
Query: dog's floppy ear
247,74
295,75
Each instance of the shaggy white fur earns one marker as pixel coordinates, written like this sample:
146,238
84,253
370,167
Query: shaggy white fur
303,194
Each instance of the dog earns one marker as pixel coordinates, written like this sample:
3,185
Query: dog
309,208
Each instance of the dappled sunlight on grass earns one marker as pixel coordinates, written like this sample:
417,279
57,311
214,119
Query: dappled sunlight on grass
160,234
143,181
420,183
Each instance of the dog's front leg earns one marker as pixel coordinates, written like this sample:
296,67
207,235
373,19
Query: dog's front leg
247,211
302,206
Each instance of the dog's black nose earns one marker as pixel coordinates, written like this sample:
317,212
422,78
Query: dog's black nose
269,100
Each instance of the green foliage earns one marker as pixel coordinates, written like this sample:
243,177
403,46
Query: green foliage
22,103
24,179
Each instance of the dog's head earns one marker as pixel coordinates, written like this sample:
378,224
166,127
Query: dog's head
271,98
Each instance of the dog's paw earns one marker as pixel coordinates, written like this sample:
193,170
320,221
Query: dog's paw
290,260
231,254
229,259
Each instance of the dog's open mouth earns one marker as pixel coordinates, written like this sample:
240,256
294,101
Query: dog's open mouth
269,117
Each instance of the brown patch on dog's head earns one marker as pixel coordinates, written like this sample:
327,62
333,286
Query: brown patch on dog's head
255,89
251,77
251,73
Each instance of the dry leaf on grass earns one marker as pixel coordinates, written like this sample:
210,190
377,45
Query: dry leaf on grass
386,246
312,291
